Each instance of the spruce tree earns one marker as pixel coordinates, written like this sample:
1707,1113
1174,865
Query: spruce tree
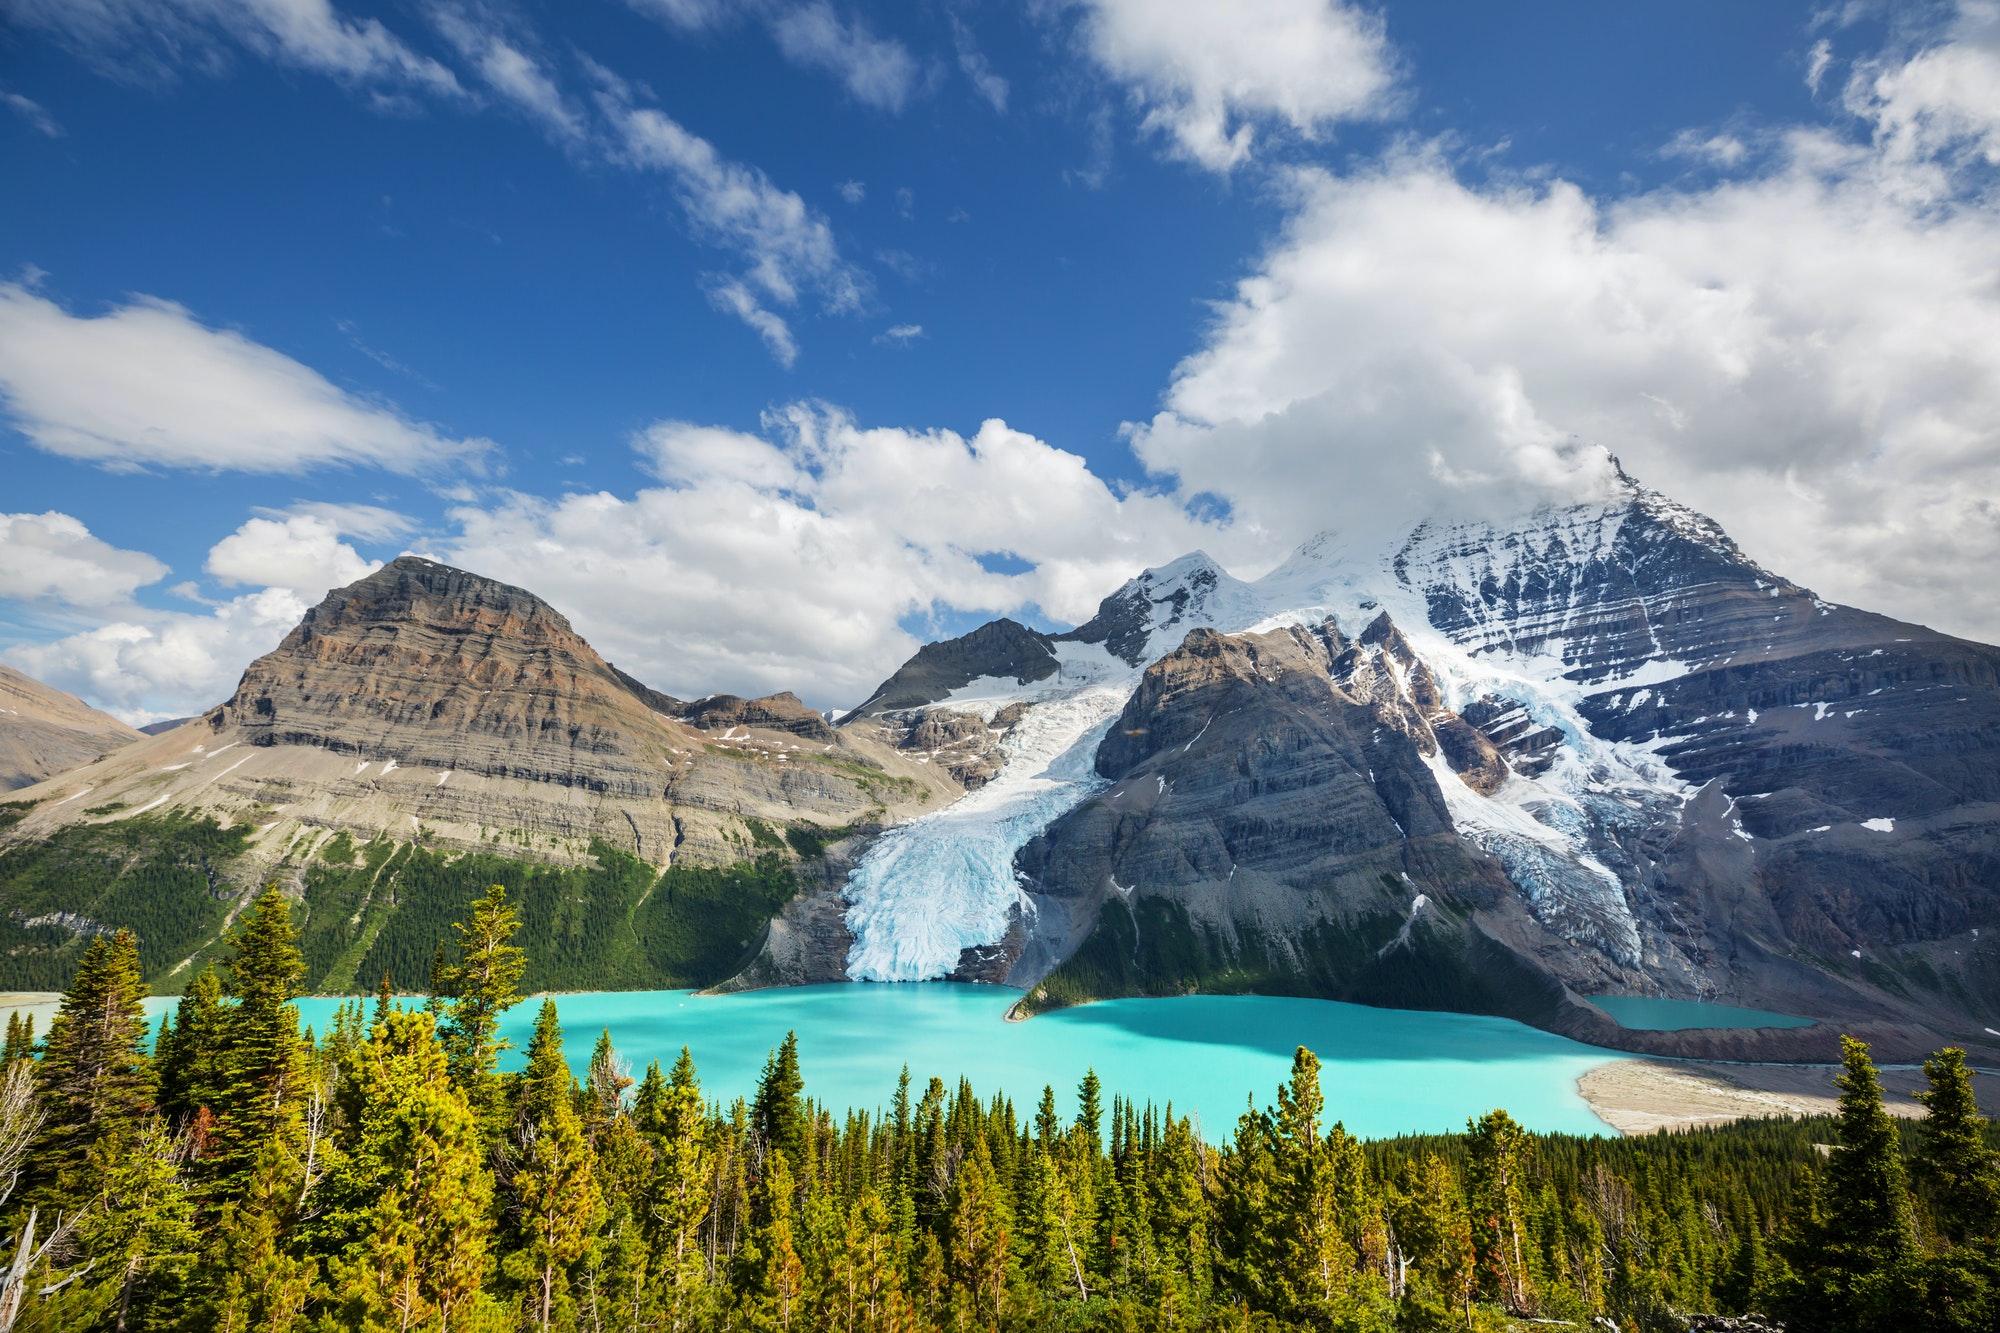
677,1201
1864,1197
1953,1163
260,1073
547,1080
190,1060
95,1079
482,985
411,1194
778,1113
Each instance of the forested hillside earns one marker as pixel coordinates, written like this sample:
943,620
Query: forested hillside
378,909
231,1172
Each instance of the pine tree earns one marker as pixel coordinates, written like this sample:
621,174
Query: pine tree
977,1252
604,1088
261,1069
138,1231
557,1204
1494,1180
482,985
773,1273
411,1191
95,1078
1953,1162
778,1113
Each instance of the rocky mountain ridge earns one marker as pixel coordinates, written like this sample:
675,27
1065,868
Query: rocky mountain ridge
1663,770
428,707
1498,767
44,731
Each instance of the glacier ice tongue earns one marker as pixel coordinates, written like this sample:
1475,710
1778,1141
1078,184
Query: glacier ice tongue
945,882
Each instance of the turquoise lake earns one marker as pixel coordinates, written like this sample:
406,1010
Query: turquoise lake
1643,1012
1387,1071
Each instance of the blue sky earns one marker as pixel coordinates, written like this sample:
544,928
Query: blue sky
690,314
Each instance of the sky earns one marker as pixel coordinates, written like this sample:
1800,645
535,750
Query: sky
767,339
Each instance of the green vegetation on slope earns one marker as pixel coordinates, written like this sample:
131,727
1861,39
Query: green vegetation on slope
161,877
383,908
614,924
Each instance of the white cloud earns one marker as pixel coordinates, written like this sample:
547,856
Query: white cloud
302,552
901,334
787,562
1206,74
169,664
1943,99
53,557
153,39
145,664
852,191
147,384
1810,353
789,247
734,298
28,109
514,74
876,71
977,69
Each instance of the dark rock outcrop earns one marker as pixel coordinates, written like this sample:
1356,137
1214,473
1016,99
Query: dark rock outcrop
1002,648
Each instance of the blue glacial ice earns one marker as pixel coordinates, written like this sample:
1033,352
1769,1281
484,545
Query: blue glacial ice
945,882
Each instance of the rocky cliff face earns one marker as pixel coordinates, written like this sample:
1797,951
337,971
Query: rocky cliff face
428,702
44,731
1507,766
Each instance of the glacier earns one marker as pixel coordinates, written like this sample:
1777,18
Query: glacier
944,883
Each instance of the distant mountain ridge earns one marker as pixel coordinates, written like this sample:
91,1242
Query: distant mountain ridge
44,731
1495,766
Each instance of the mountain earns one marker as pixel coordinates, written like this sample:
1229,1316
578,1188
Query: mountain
1499,767
419,719
44,731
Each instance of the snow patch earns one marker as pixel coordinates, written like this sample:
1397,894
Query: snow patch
1879,825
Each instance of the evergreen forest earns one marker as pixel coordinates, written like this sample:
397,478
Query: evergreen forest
232,1172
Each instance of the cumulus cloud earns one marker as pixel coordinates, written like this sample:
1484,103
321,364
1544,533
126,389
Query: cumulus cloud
148,385
300,551
789,560
145,664
167,664
155,39
1207,75
1944,99
54,558
1809,352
